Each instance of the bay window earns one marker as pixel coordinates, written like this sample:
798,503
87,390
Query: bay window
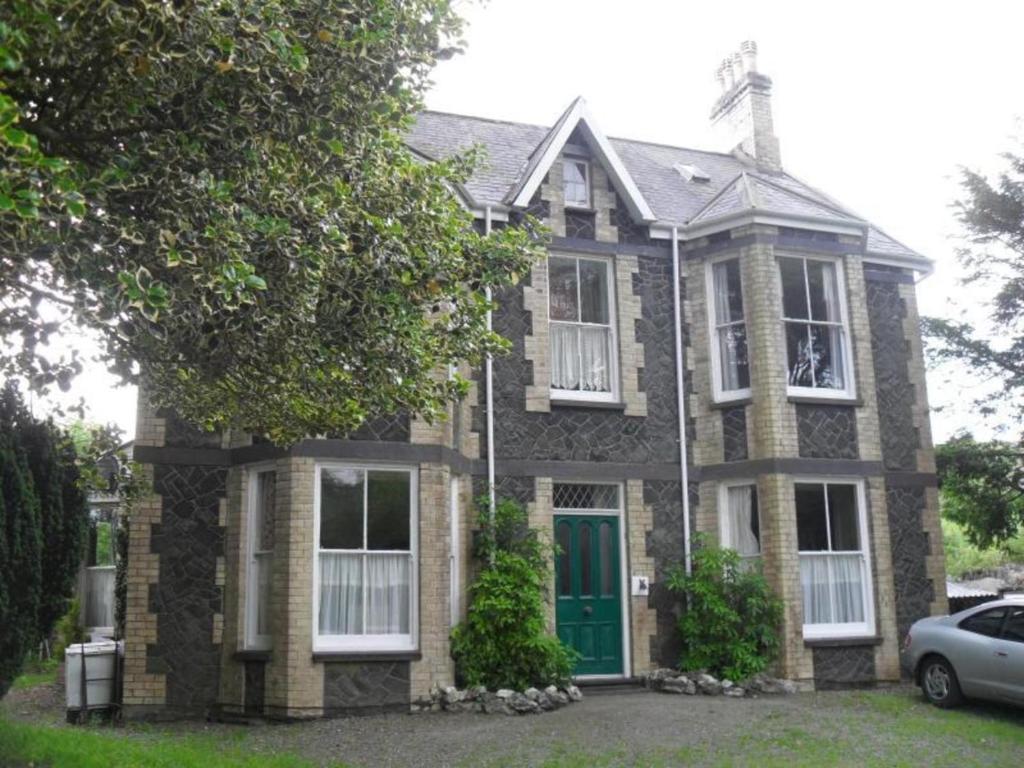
739,521
834,566
582,328
814,316
365,558
730,363
262,494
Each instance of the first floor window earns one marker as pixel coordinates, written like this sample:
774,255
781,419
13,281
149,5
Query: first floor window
729,335
581,327
834,571
365,558
813,313
261,557
739,521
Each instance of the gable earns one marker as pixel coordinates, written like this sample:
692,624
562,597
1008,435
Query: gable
577,127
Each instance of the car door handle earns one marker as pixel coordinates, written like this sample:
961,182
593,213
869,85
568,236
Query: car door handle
1002,654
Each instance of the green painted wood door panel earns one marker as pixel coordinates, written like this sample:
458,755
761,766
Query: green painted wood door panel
588,591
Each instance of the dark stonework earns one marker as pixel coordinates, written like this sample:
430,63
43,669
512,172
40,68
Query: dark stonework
910,546
365,687
734,433
590,434
255,687
827,431
665,545
189,540
580,224
891,352
844,667
629,230
520,489
393,429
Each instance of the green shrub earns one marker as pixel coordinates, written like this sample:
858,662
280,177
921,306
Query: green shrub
730,626
69,629
503,642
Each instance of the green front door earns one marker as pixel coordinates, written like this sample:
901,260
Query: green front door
588,591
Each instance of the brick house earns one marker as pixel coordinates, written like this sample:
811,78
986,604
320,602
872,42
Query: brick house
693,304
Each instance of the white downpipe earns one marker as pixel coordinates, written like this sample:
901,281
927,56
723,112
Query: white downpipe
684,472
489,382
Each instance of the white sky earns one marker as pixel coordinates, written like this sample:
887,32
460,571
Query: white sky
877,103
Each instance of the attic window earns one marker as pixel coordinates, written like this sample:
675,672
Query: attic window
692,172
576,183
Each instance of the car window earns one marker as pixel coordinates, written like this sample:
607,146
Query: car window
1014,629
986,622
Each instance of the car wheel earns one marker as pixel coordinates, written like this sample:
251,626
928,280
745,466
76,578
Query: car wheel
939,683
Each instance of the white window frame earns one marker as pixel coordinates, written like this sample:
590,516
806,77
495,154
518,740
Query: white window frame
624,565
252,640
849,392
613,326
575,204
369,643
720,394
849,629
725,528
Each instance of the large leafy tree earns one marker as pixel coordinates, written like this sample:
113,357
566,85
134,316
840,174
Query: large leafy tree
220,190
982,488
983,483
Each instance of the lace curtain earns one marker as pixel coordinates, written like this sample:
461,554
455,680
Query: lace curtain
740,520
385,593
579,358
833,588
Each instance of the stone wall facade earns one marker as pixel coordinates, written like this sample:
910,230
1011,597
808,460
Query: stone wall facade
187,649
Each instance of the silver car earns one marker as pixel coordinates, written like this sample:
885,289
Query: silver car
977,653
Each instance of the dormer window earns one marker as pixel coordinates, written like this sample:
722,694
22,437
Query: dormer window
576,186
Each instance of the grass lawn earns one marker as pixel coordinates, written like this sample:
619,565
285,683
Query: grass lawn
32,679
640,730
91,747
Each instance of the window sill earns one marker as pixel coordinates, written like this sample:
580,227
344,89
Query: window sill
721,405
569,207
570,402
842,642
825,400
326,656
253,655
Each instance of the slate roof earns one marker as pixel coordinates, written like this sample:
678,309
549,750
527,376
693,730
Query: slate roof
735,184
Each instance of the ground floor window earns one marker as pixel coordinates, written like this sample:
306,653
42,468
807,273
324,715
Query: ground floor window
739,521
366,565
834,571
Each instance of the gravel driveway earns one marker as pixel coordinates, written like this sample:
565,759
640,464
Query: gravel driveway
635,728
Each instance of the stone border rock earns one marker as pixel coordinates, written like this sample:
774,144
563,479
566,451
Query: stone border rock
502,702
691,683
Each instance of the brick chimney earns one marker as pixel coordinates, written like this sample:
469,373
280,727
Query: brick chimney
743,113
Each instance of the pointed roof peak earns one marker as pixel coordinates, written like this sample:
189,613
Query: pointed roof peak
541,158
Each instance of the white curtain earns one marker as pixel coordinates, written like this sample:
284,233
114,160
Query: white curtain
565,356
740,511
830,285
99,596
594,354
721,281
387,608
341,594
727,353
579,358
833,588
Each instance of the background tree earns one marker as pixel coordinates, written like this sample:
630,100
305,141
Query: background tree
982,483
982,488
220,190
43,517
20,547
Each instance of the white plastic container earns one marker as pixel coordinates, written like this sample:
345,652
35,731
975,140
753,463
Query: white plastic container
100,675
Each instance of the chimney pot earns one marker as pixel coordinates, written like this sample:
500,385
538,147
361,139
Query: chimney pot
743,111
726,69
748,50
737,67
